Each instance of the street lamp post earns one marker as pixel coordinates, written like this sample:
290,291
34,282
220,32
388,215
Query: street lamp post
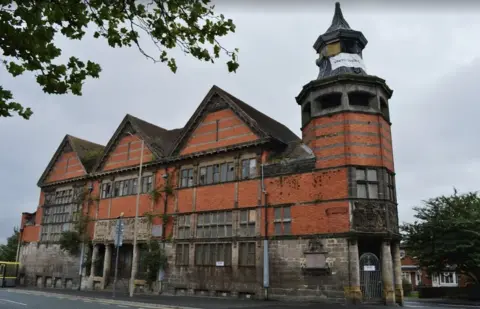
139,187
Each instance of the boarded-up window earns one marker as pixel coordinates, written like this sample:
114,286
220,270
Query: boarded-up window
246,254
213,254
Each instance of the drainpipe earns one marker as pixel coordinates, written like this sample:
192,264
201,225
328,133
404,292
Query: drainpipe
82,251
266,273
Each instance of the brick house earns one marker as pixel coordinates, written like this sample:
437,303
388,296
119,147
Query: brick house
243,189
417,276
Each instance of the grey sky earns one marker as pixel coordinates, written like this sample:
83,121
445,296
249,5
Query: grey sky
429,60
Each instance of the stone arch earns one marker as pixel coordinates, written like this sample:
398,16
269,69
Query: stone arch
362,99
328,101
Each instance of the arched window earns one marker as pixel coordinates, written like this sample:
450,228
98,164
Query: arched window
328,101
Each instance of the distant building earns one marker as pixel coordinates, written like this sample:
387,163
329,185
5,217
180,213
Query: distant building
238,182
414,274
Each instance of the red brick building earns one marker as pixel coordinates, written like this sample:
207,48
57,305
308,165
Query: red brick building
417,276
245,206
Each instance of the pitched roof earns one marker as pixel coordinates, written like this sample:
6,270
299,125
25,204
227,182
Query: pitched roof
87,152
157,139
161,139
267,124
263,125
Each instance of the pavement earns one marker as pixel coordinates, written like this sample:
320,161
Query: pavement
20,298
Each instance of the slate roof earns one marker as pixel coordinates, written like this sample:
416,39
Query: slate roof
161,139
267,124
87,152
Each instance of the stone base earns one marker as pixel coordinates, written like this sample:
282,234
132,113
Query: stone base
353,295
399,298
389,296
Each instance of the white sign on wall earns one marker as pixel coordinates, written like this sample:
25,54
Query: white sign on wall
220,263
347,60
369,267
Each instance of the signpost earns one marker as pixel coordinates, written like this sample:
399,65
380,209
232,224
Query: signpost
118,242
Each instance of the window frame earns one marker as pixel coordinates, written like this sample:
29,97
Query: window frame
245,226
216,173
246,168
366,182
282,221
183,224
186,177
205,258
182,259
246,258
206,222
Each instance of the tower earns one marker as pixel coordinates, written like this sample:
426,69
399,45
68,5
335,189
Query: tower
346,122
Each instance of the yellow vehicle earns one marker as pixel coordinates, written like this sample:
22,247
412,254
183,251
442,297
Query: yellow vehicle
8,274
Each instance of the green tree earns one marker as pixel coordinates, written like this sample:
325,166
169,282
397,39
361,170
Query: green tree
446,233
8,252
28,30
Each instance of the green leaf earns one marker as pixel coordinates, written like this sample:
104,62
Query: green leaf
29,29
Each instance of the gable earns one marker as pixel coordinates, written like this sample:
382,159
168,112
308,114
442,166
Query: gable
220,128
126,152
66,166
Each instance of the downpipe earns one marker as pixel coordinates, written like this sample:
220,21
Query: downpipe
266,270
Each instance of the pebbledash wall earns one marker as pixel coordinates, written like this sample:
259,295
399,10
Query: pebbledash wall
229,180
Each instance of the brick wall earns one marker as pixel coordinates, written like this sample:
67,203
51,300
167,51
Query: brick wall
350,138
67,166
218,129
127,153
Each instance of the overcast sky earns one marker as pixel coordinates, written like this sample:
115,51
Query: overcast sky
430,59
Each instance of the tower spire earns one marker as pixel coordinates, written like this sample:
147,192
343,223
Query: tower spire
340,48
338,21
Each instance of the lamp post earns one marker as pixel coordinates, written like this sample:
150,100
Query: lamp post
139,187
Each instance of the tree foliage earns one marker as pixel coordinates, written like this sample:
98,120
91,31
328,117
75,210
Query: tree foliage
153,259
70,241
8,252
28,30
446,233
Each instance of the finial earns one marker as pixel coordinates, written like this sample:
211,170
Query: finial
338,21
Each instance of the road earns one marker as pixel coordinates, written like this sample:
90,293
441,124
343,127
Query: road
25,299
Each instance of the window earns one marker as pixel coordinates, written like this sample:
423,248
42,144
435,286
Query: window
367,183
49,198
106,190
63,196
246,255
390,186
182,254
214,224
183,227
213,254
282,221
216,173
247,222
147,184
186,179
249,168
57,219
406,276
